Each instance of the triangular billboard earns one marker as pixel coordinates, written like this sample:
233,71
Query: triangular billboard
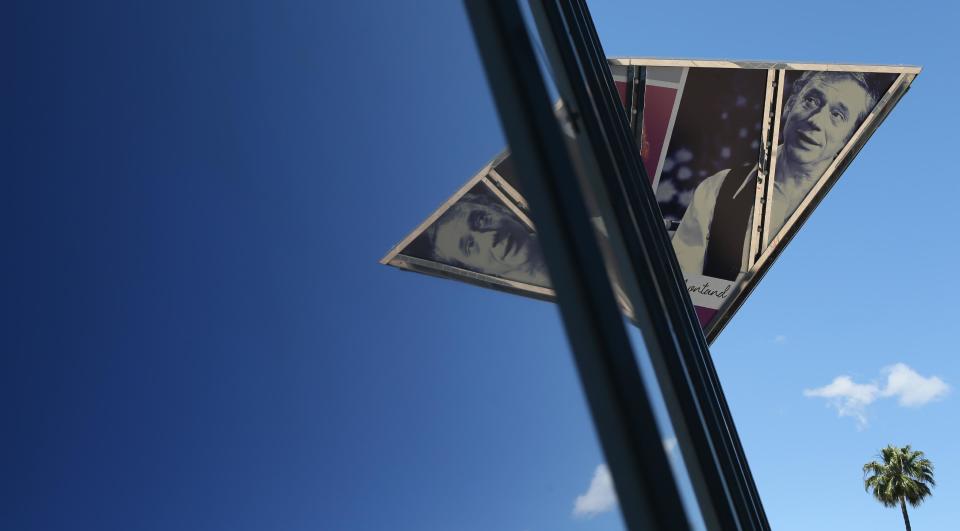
738,155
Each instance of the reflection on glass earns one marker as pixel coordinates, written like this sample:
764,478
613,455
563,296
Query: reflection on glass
667,431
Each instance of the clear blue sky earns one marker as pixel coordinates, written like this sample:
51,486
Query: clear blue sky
197,335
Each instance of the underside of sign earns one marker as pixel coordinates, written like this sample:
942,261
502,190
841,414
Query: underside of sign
738,154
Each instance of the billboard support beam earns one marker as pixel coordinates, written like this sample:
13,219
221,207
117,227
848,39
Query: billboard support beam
648,269
621,409
674,340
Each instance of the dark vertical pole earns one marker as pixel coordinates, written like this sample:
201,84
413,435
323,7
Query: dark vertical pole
676,344
608,370
640,83
614,183
565,41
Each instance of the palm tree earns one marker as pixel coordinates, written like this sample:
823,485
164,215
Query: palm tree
905,475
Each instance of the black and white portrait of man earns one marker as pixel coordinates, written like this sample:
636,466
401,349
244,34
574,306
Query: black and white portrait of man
480,233
819,116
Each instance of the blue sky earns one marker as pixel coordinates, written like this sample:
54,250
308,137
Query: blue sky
199,335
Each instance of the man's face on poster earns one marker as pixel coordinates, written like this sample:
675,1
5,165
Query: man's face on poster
822,117
484,237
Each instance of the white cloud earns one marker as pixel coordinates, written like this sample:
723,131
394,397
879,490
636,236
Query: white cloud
780,339
599,498
848,397
851,399
910,388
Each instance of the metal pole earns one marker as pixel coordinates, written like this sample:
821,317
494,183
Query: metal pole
608,369
676,345
614,185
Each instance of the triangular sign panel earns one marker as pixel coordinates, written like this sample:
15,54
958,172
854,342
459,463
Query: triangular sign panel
738,155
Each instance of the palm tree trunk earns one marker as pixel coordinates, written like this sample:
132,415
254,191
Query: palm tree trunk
903,507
